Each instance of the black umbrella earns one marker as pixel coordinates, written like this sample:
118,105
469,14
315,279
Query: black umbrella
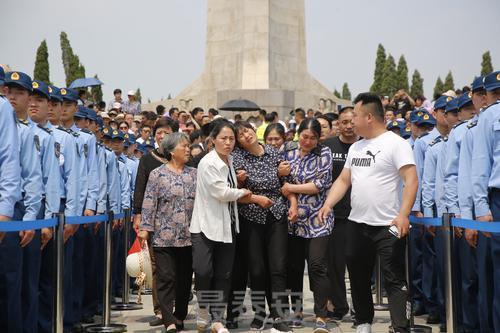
239,105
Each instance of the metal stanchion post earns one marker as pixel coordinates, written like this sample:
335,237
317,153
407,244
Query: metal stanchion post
106,325
125,304
413,328
58,315
449,267
379,304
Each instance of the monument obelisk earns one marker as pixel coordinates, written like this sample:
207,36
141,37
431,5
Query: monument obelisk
256,49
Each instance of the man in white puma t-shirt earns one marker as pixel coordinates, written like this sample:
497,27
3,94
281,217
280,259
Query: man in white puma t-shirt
376,167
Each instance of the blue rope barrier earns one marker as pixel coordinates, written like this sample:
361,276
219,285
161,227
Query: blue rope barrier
86,219
9,226
476,225
120,216
427,221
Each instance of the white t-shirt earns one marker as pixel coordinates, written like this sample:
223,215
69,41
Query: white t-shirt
376,183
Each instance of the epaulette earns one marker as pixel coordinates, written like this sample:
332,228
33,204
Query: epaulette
84,130
436,140
76,135
24,122
489,106
472,124
292,145
458,124
130,158
64,129
424,134
48,130
108,149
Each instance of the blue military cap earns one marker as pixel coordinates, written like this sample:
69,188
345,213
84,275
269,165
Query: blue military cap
115,134
132,139
126,137
395,124
149,143
406,132
492,81
417,114
69,94
464,99
440,103
19,79
55,93
91,115
2,76
81,112
100,122
478,83
452,105
41,88
142,148
426,119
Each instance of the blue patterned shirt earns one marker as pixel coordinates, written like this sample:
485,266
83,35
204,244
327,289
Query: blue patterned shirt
168,206
315,167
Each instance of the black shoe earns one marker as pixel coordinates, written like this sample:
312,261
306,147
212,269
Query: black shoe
419,309
433,318
280,326
258,322
180,326
337,316
77,328
156,322
232,324
88,320
171,329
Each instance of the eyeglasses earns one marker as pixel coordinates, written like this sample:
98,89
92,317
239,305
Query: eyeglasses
123,127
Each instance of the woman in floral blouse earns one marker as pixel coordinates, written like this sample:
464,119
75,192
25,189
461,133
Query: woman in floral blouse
166,213
310,178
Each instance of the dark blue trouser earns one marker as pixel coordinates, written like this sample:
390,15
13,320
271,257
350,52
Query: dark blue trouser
429,274
469,286
495,257
90,279
117,263
439,270
78,274
416,244
485,282
29,293
11,256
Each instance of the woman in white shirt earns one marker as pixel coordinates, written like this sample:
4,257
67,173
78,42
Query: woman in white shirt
214,225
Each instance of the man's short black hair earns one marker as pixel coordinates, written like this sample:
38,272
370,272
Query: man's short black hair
196,110
238,117
101,105
150,115
117,91
374,103
166,122
332,116
269,118
213,112
262,112
160,110
301,112
172,111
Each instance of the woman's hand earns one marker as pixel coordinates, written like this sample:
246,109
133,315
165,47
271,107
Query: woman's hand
143,236
293,212
241,177
247,193
262,201
284,169
285,190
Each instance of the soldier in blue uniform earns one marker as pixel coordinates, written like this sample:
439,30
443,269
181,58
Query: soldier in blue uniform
485,177
466,258
10,193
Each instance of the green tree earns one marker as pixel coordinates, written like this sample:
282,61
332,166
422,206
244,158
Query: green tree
390,77
417,84
402,73
169,96
438,87
71,62
138,95
378,75
448,82
486,66
346,93
336,94
41,71
96,92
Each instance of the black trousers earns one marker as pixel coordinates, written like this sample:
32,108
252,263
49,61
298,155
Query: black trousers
315,251
173,281
337,265
239,276
364,243
267,254
212,265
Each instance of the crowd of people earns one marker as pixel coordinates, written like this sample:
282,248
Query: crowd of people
248,203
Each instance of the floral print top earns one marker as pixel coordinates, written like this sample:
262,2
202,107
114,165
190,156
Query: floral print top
315,167
168,205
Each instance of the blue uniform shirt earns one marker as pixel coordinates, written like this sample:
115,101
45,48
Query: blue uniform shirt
31,172
124,182
82,168
103,179
10,178
51,174
114,185
419,149
485,169
430,177
451,167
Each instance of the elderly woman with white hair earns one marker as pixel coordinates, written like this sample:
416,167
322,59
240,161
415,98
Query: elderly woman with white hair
166,214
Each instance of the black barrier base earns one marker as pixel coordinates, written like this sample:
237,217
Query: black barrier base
126,306
112,328
421,329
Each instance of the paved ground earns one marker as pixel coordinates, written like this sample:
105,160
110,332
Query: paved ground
137,321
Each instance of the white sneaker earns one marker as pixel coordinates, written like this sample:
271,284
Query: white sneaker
364,328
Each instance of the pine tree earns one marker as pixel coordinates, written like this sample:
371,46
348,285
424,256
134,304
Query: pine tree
390,77
169,96
438,87
402,73
71,62
486,66
448,82
41,71
96,92
138,96
336,94
378,75
417,84
346,93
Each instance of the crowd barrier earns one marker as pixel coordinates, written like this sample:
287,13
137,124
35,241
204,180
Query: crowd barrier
58,301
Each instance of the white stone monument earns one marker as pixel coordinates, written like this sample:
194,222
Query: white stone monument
256,49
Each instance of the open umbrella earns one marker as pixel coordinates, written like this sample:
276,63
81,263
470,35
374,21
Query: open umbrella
239,105
85,82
